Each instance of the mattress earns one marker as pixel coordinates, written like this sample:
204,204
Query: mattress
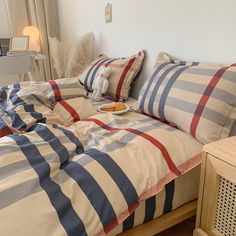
178,192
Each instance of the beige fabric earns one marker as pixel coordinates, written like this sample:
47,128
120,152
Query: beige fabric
40,13
72,110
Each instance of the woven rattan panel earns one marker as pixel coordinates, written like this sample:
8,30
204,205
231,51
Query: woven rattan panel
225,222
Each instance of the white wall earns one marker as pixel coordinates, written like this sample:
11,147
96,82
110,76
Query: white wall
189,29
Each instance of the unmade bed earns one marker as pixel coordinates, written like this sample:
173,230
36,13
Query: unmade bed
68,170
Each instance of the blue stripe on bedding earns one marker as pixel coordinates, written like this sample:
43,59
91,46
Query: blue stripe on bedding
89,72
158,69
116,173
150,207
53,141
67,215
156,88
38,116
93,192
17,122
165,93
15,89
73,139
169,190
129,222
107,60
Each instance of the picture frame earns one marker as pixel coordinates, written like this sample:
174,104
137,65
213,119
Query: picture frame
19,43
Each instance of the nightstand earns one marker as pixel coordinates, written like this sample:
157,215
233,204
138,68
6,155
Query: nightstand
216,215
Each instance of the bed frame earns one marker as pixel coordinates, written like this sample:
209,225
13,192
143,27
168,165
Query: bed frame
164,222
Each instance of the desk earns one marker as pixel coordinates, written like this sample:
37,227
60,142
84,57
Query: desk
21,65
38,57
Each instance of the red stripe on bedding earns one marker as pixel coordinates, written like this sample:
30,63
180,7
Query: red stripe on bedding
5,131
149,138
71,110
193,162
123,76
55,89
205,97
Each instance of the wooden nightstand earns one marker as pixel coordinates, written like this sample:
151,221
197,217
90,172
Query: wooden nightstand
216,214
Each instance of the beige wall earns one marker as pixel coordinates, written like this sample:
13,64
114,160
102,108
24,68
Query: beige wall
190,29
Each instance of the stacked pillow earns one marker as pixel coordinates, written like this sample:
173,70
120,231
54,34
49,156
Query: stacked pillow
198,98
124,71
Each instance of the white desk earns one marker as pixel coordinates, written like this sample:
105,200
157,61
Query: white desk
21,65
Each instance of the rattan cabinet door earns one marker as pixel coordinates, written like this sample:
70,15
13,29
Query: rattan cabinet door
218,215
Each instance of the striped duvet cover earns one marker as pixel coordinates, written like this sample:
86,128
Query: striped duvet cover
87,178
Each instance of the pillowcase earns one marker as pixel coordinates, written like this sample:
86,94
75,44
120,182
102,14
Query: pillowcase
73,110
123,73
198,98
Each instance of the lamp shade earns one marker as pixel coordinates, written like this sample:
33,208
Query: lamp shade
33,34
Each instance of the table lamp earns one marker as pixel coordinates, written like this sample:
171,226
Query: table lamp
33,34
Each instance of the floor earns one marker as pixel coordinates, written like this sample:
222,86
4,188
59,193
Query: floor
183,229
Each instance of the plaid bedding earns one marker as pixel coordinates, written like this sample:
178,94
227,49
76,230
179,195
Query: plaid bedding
87,178
27,103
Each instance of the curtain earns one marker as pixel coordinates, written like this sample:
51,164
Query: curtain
40,13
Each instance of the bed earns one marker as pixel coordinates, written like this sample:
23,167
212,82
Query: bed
67,170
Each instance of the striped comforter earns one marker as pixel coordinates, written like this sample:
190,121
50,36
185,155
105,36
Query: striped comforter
86,178
25,104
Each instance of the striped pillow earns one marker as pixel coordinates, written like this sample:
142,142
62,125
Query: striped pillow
123,73
198,98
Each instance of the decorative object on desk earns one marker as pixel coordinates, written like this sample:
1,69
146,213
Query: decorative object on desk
33,33
4,42
101,83
19,43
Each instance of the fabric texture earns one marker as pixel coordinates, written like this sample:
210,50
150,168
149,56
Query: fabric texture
40,13
72,110
175,194
60,176
25,104
84,179
123,73
199,98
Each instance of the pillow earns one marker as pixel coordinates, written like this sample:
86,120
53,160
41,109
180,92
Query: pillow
198,98
73,110
123,73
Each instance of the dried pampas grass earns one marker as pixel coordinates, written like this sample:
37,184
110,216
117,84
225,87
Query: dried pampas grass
73,60
57,51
